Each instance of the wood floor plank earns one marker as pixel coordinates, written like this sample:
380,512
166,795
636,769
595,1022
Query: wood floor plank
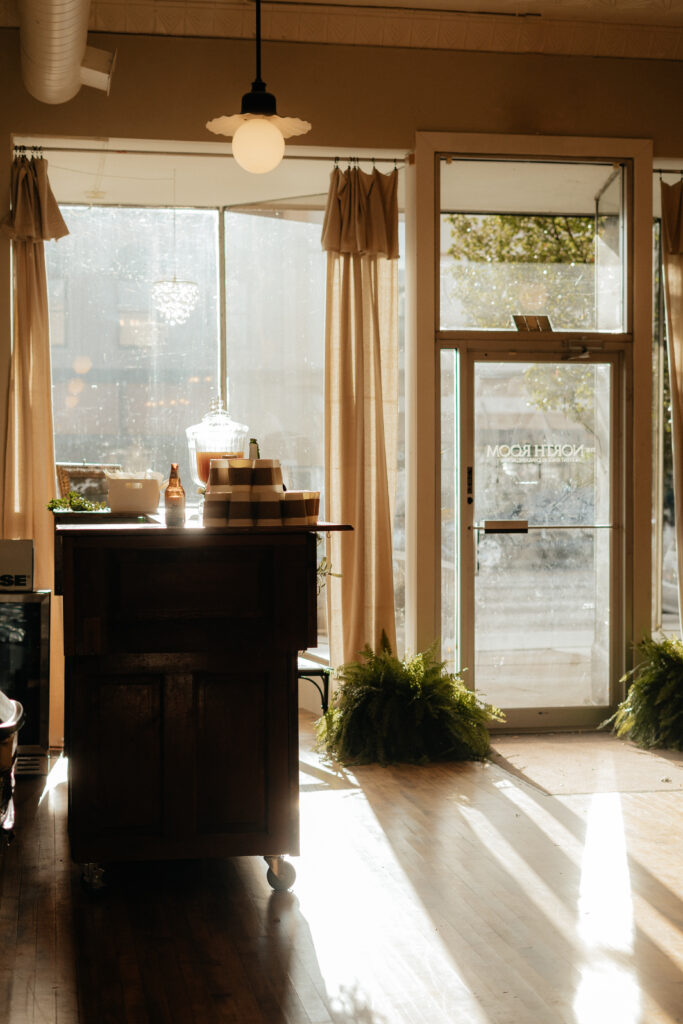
442,894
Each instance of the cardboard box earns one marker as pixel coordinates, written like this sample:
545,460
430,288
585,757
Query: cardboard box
16,565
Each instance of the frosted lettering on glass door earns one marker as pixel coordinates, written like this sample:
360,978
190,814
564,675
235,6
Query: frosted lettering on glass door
542,454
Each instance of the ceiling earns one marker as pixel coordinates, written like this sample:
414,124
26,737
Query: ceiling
611,28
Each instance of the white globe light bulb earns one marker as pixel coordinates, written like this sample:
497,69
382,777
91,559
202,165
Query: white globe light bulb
258,146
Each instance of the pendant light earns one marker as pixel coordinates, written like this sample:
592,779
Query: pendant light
258,132
174,300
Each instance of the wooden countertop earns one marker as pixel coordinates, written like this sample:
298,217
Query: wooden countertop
104,522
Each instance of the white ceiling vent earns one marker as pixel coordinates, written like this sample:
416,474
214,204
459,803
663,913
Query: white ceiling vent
55,57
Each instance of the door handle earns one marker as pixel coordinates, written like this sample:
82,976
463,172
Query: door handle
504,526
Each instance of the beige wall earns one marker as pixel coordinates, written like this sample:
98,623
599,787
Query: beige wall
356,96
166,88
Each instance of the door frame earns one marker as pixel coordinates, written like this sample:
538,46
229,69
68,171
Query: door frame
532,719
424,340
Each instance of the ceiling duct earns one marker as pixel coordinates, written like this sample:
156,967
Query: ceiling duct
55,57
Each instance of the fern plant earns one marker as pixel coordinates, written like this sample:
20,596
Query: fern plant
411,710
652,713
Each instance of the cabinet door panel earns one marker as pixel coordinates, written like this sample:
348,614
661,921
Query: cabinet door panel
116,757
233,752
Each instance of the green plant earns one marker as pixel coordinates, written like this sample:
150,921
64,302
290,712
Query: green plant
652,713
323,570
74,502
411,710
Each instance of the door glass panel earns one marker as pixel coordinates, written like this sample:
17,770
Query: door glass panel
542,454
532,239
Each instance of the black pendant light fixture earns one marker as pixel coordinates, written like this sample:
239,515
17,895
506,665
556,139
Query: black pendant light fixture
258,132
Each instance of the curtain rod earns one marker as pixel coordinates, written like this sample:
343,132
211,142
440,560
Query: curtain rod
667,170
397,161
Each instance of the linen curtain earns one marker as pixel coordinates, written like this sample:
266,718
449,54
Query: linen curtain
29,481
672,253
360,235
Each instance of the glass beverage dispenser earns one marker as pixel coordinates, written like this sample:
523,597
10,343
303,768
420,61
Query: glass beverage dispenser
216,437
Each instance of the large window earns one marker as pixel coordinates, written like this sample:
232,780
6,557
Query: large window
127,383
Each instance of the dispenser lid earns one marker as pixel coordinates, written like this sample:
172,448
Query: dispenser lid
217,425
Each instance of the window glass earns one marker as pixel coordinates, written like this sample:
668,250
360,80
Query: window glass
530,239
126,383
665,559
275,341
275,329
399,536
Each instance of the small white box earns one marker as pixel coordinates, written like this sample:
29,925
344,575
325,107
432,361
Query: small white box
134,494
16,565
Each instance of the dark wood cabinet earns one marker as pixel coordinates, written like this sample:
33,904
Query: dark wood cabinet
181,688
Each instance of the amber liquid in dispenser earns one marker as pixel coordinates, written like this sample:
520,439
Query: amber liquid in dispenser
174,499
204,461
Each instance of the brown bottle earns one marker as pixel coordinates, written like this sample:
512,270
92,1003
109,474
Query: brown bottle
174,499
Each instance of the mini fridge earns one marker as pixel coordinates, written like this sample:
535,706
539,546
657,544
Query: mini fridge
25,671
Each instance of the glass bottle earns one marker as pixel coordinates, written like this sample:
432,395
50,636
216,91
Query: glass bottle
174,499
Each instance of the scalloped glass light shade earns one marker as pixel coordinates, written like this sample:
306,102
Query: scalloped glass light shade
175,300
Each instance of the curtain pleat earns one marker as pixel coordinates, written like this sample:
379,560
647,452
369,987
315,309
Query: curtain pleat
360,234
672,252
29,480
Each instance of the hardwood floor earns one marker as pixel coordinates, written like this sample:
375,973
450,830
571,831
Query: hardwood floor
444,894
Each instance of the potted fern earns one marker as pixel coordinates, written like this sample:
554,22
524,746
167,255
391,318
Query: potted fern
652,713
412,710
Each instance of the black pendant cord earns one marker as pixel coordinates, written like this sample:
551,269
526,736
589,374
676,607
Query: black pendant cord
258,40
259,102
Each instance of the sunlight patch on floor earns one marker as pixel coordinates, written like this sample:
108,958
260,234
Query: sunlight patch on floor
605,904
540,890
609,988
58,774
370,933
607,992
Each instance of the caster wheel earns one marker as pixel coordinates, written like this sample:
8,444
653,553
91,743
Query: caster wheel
92,878
283,879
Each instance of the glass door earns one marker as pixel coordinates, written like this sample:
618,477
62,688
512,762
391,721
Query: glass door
533,321
537,580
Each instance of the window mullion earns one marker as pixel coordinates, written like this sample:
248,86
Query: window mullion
222,312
